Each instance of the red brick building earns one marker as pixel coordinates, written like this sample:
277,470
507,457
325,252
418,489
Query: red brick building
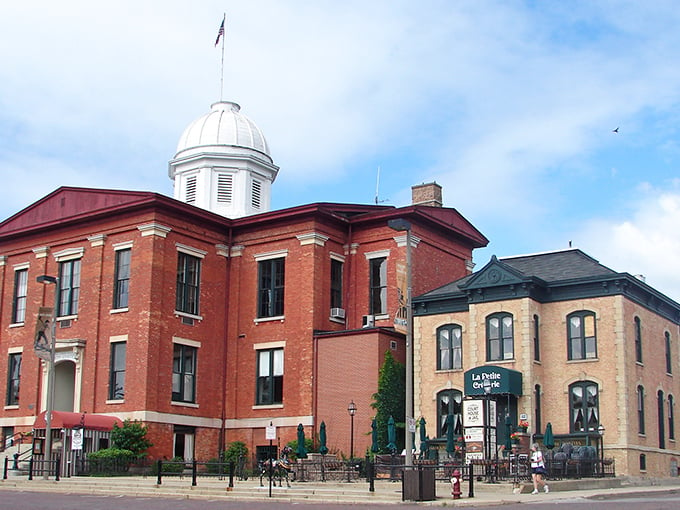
209,328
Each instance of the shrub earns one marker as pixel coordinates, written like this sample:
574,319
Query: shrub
110,460
131,436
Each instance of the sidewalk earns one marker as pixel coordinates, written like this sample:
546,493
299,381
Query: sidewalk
333,492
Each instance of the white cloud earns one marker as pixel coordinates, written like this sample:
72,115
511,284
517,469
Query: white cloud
646,243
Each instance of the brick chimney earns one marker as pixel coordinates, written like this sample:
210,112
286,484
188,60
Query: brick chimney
427,194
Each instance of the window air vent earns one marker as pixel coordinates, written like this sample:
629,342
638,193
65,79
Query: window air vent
188,321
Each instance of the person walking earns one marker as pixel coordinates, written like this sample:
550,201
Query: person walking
538,470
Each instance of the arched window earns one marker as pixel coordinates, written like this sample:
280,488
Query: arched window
638,340
661,419
581,337
669,359
537,343
641,409
449,347
499,337
584,406
538,426
449,402
671,418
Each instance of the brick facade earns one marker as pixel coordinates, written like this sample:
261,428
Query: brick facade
321,373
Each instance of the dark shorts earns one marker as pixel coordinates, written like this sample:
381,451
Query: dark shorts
538,470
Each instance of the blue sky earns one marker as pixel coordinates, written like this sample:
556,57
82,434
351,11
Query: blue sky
509,105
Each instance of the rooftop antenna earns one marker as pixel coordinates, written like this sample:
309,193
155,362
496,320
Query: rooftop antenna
377,188
220,35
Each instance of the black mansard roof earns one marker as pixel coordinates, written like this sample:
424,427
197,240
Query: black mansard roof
545,277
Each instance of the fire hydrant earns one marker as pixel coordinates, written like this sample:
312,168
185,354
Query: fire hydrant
455,484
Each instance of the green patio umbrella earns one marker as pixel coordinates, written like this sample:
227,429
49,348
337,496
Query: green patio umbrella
548,438
323,449
391,435
423,437
374,437
450,441
301,452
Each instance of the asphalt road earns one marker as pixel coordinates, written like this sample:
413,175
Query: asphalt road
15,500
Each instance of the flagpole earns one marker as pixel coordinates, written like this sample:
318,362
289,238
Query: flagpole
222,63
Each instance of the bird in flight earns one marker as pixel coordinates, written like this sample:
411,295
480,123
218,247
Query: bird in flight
615,130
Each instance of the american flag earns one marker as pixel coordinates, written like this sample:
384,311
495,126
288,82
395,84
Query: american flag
220,33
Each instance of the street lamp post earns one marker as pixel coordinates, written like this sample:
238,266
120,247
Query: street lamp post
400,225
486,385
600,429
352,410
49,404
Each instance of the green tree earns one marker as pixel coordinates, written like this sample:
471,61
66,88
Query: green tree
389,400
234,451
131,436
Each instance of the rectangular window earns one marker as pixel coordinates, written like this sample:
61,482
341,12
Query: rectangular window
121,284
117,374
378,286
20,291
336,283
271,287
269,377
184,373
188,283
69,281
13,379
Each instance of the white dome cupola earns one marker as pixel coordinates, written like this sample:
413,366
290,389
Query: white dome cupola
223,164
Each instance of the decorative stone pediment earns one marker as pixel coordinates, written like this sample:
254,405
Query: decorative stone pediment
494,274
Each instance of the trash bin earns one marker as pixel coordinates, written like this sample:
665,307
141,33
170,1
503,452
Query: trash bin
418,485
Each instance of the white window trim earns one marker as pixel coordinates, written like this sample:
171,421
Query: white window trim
271,255
377,254
190,250
15,350
69,254
22,266
118,338
338,257
186,341
269,345
122,246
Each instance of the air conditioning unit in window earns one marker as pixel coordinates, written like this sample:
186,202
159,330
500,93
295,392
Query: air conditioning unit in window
338,313
368,321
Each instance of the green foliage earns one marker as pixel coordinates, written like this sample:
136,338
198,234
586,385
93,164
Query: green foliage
389,400
174,465
309,446
168,467
110,461
131,436
235,450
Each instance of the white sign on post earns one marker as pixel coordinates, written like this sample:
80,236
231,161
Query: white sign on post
270,432
77,439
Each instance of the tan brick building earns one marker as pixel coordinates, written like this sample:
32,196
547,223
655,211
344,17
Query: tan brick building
562,339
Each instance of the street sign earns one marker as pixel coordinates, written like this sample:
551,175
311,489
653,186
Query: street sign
270,432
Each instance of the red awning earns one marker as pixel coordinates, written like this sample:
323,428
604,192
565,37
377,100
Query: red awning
64,420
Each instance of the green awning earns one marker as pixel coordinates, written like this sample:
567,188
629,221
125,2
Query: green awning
503,380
